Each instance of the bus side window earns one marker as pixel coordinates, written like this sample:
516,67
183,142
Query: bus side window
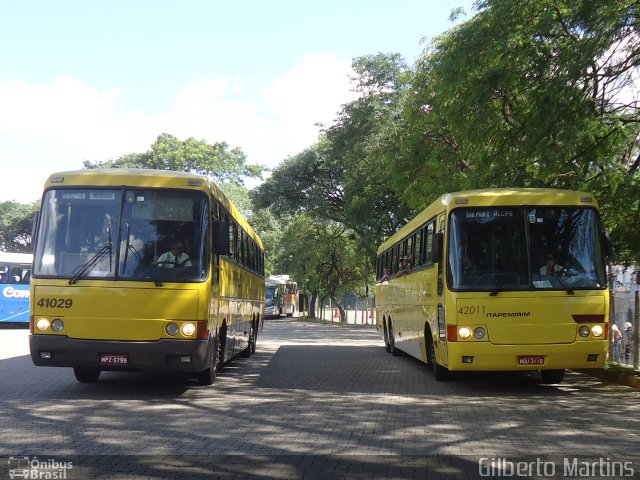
418,246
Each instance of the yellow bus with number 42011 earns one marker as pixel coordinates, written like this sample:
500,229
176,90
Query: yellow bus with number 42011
498,280
143,270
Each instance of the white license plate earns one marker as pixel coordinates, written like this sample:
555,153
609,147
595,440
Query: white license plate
531,360
114,360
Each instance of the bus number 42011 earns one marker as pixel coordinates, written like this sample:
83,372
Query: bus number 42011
55,303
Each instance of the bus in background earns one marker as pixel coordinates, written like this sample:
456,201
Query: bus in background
282,296
143,270
498,280
273,298
15,271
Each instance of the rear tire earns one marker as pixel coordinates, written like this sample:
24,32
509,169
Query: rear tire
86,375
440,373
251,347
552,376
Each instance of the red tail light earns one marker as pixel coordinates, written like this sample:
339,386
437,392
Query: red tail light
588,318
203,330
452,333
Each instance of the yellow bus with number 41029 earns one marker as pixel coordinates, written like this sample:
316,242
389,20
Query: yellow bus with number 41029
498,280
143,270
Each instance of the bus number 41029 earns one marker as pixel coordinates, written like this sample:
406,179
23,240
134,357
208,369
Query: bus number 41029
55,303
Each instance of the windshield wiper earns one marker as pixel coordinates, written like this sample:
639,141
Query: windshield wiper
497,286
565,284
130,248
92,262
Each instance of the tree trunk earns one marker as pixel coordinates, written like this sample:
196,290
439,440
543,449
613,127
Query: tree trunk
343,314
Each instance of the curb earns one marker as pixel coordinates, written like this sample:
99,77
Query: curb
622,378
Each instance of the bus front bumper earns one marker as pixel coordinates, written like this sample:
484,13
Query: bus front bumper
164,354
483,356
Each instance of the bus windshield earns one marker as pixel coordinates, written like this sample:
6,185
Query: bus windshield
522,248
121,234
271,296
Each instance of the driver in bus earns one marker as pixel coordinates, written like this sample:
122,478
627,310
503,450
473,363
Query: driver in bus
550,267
174,257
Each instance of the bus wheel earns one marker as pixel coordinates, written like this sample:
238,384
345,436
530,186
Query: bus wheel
251,347
222,347
208,376
440,373
254,340
552,376
387,345
392,342
86,375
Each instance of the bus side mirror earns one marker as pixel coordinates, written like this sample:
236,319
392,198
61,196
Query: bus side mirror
221,238
436,247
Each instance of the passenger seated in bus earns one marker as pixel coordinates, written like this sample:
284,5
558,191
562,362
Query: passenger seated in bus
385,275
16,275
26,278
405,266
550,267
173,258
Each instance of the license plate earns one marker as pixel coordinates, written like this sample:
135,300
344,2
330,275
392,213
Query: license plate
114,360
531,360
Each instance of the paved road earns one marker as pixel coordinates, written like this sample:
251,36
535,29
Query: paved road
315,401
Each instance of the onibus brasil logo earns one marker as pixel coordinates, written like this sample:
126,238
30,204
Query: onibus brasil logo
32,468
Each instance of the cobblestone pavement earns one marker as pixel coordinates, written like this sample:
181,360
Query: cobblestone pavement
315,401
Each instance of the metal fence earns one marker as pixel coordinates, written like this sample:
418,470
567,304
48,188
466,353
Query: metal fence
359,310
624,326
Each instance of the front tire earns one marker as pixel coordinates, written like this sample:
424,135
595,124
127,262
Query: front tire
208,376
86,375
440,373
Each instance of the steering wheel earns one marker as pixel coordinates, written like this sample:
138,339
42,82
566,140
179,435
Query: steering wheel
167,262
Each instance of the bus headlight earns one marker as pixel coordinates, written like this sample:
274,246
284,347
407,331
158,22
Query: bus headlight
597,330
583,331
172,329
479,333
57,325
464,332
188,329
43,324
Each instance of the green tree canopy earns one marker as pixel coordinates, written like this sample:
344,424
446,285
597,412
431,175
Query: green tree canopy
191,155
16,224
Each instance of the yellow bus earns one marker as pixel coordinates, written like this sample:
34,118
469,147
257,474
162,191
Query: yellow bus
143,270
498,280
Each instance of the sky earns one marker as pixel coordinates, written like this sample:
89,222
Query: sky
96,80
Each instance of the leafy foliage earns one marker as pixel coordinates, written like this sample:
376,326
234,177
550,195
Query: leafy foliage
16,224
191,155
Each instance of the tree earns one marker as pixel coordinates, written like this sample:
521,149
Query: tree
529,94
325,260
16,225
191,155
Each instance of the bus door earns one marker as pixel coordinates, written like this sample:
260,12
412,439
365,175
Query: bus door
441,310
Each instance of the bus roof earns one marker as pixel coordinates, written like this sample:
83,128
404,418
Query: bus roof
279,280
16,257
147,178
489,197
